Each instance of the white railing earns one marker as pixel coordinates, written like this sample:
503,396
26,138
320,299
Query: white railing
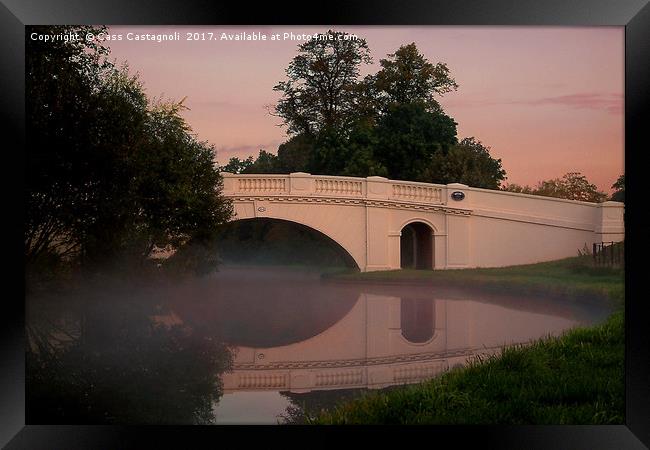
417,192
304,184
264,184
334,186
262,380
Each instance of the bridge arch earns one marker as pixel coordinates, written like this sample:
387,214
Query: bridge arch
417,244
330,243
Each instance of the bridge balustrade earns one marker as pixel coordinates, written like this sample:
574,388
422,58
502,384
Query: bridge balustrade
302,184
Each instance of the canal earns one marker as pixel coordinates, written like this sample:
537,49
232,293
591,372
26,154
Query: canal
260,345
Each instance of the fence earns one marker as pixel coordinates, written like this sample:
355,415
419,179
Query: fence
611,254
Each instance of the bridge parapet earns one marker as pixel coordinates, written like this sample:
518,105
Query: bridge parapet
300,184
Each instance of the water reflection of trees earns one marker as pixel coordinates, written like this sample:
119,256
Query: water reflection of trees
311,404
120,361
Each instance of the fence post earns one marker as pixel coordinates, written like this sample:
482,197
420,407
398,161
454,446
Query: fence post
593,252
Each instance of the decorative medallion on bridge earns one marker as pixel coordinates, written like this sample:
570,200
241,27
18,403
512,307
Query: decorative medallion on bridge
261,209
457,195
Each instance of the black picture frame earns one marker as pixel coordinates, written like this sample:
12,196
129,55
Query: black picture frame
633,14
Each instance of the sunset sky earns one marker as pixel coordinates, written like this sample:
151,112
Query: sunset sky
547,100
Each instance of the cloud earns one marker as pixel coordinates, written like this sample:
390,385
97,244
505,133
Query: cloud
611,103
213,103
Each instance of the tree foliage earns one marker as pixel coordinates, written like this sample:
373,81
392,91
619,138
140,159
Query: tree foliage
406,76
408,138
518,188
572,186
294,155
469,162
110,174
61,87
619,193
236,165
265,163
386,124
320,92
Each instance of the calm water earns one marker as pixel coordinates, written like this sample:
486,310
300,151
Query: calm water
302,342
280,341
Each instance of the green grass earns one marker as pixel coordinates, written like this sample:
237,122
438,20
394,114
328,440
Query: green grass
576,378
570,277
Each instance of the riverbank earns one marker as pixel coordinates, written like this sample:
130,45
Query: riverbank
576,378
570,278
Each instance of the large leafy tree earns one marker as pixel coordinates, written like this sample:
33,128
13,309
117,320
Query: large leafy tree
409,136
361,160
62,83
388,123
469,162
406,76
321,87
294,154
109,175
177,187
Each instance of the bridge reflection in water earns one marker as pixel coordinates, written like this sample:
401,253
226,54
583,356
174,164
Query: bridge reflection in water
386,340
294,333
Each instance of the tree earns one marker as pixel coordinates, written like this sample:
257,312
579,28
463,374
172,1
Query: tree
469,163
110,175
265,163
159,188
408,136
619,194
407,76
321,91
572,186
177,185
236,165
294,155
361,160
330,153
62,79
513,187
386,124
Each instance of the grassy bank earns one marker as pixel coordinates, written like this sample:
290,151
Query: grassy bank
570,277
577,378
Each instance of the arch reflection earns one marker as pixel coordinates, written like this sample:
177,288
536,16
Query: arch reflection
417,319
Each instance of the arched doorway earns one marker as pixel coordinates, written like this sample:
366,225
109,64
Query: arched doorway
416,246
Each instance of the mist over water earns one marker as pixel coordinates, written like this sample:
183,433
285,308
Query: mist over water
257,344
306,342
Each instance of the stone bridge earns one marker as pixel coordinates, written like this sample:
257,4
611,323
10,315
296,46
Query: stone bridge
385,224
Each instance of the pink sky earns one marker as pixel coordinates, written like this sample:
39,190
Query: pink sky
547,100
